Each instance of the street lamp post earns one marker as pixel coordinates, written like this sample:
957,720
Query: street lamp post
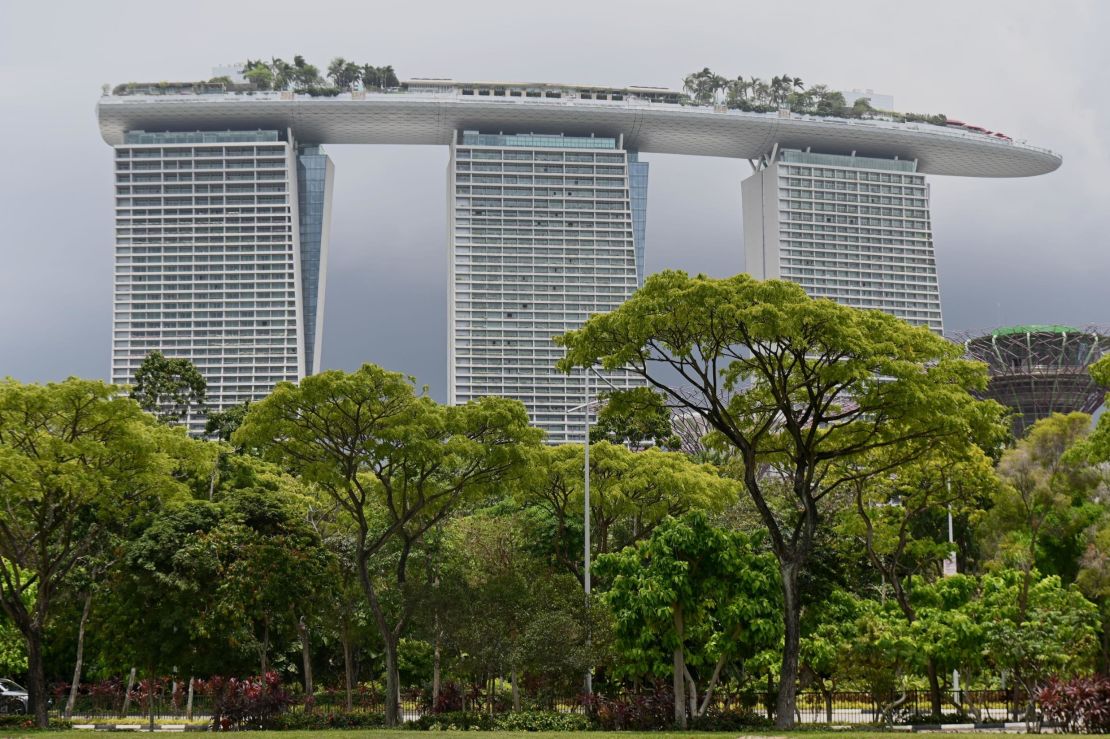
585,408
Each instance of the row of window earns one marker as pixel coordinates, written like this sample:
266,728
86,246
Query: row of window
538,156
850,175
185,152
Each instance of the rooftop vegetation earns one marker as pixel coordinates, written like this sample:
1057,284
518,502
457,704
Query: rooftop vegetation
277,74
786,92
783,92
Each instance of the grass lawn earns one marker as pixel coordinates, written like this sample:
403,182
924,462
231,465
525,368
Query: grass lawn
372,734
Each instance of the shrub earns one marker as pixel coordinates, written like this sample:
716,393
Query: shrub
320,721
543,721
645,710
453,721
1077,706
449,700
735,719
23,721
251,703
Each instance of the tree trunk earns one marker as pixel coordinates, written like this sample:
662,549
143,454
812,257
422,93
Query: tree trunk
265,648
392,681
436,674
389,642
679,673
306,657
189,702
150,697
127,695
36,678
788,672
692,689
934,688
347,671
516,689
79,662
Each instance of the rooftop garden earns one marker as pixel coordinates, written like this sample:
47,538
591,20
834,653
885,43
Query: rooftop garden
787,93
753,94
277,74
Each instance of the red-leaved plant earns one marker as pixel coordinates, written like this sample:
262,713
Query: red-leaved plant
1077,706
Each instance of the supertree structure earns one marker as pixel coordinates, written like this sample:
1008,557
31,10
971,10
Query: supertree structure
1038,370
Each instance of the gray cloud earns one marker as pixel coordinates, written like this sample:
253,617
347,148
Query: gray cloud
1014,251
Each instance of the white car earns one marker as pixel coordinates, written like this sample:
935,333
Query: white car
13,697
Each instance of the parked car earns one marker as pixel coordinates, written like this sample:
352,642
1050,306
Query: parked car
13,697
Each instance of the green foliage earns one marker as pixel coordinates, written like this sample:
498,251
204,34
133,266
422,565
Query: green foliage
543,721
169,388
21,721
212,584
694,595
635,417
630,494
320,720
498,609
784,91
1049,499
394,462
1096,448
78,462
13,648
222,424
453,721
806,392
300,76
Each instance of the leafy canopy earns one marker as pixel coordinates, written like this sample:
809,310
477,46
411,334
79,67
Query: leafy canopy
169,388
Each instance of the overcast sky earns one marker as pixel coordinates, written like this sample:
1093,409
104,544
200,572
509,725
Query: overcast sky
1008,251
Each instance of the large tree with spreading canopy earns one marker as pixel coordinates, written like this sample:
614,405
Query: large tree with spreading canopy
395,462
797,386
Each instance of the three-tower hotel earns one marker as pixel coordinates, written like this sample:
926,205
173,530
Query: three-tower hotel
223,205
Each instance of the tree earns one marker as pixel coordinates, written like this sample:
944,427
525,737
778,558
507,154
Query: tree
344,74
259,74
499,609
304,75
630,494
77,459
693,596
1096,448
799,387
283,73
899,520
222,424
396,463
171,389
635,418
210,586
1038,517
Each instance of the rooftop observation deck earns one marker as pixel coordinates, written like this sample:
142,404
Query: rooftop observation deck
649,120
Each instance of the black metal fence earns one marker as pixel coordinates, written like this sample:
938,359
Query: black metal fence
173,704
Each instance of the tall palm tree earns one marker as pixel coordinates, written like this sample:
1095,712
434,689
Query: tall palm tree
737,92
716,84
336,71
283,73
371,78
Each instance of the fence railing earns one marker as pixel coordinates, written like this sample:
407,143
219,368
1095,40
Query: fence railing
813,707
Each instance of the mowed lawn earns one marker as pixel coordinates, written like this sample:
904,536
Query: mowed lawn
371,734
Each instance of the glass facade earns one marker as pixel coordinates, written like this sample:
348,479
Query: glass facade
853,229
312,190
541,237
198,137
206,260
532,140
638,190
